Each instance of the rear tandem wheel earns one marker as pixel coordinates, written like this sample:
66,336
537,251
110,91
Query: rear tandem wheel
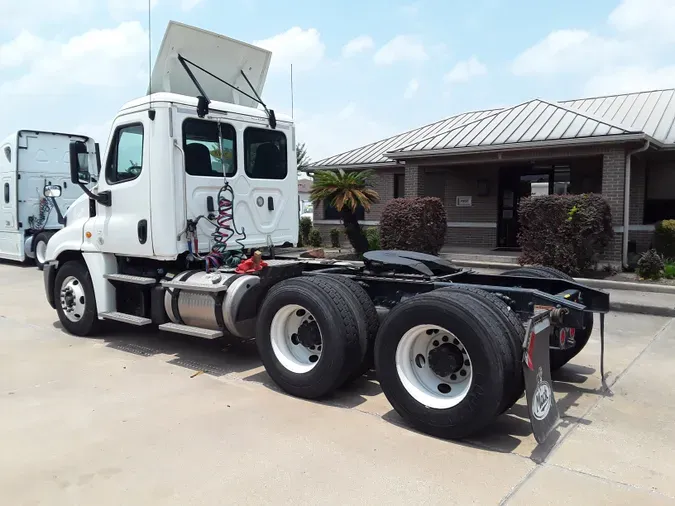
445,362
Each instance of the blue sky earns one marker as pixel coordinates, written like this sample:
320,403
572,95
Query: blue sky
362,70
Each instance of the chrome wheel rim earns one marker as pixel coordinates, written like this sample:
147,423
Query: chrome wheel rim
296,339
72,298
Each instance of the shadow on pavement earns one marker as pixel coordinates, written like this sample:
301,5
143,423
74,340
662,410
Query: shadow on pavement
231,356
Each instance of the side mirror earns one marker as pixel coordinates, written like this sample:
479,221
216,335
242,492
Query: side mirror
52,191
79,163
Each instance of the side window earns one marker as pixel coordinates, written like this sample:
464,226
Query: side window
265,154
203,156
125,160
6,191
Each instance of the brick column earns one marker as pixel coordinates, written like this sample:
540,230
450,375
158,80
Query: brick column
613,177
414,181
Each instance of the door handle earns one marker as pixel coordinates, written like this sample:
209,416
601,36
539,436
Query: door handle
270,204
142,231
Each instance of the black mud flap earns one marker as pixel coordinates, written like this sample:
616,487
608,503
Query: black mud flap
541,403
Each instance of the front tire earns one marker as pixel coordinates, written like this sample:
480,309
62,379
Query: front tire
40,248
75,300
442,362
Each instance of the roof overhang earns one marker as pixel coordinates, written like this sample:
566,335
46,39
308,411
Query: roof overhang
391,164
525,146
220,55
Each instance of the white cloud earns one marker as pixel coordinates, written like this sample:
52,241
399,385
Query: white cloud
402,48
188,5
357,45
630,79
302,48
567,51
645,16
30,14
113,57
336,130
464,71
639,31
20,50
411,89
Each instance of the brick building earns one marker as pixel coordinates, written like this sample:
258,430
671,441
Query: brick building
482,163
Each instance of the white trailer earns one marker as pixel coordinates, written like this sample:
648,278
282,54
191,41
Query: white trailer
29,161
192,188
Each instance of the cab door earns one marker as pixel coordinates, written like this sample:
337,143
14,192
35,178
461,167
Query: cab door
267,193
123,227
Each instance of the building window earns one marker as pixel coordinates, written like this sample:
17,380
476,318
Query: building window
125,161
265,154
660,193
203,156
399,186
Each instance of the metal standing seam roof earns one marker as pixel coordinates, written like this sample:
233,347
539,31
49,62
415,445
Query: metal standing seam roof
374,153
536,120
649,112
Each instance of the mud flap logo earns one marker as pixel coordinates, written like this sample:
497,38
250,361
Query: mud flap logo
542,398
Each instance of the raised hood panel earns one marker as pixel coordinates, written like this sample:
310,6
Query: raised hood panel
220,55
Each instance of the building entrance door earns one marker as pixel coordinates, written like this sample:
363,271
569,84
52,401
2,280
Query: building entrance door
516,183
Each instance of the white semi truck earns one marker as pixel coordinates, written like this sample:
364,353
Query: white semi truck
29,161
181,233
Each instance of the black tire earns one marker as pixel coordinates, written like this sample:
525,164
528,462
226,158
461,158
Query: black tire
371,320
337,315
581,336
481,333
88,324
41,238
514,329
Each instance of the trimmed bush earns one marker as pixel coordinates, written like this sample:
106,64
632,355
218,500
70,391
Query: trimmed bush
373,236
315,239
664,238
335,237
568,232
305,229
414,224
650,265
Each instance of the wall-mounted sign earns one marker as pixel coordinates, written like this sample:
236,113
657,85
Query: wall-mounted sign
463,201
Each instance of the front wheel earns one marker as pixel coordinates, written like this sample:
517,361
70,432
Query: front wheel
75,300
40,249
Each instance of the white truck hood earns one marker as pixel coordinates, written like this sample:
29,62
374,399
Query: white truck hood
220,55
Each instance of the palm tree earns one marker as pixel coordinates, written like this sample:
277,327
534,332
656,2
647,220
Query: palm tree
346,192
301,157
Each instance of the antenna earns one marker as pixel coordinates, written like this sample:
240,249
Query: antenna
151,112
292,91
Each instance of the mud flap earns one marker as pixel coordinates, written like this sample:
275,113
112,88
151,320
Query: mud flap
541,403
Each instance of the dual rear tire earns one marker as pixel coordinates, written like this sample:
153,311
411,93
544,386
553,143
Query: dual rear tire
448,361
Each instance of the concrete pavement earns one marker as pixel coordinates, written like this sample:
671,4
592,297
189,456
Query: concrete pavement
129,418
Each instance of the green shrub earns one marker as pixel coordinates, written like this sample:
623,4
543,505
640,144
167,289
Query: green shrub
568,232
664,238
650,265
305,229
315,239
414,224
669,271
373,236
335,238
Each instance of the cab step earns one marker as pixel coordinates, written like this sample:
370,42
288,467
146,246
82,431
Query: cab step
128,278
190,331
131,319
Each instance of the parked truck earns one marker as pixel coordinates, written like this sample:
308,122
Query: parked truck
29,161
182,232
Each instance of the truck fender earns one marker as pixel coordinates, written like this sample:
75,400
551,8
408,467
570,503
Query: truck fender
100,264
67,239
